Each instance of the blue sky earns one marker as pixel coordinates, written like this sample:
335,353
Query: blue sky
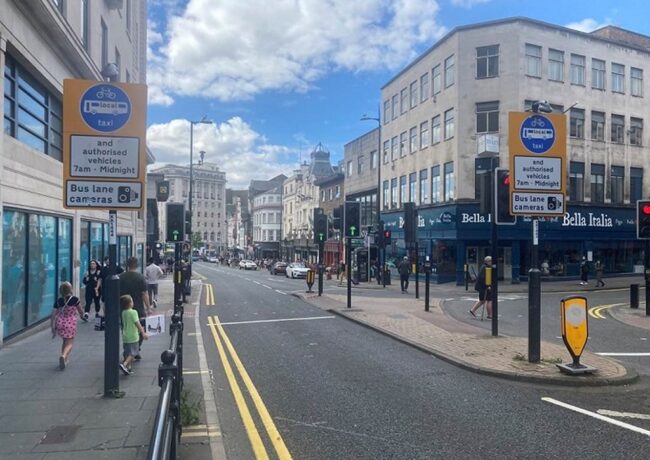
279,76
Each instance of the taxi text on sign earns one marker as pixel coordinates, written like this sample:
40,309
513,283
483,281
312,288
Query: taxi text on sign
575,328
537,147
104,128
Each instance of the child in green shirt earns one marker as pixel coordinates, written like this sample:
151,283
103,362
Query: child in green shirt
130,328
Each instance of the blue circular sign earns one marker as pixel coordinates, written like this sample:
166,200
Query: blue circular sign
105,107
537,134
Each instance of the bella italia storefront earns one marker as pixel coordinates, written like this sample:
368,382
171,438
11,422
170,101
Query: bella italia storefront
457,235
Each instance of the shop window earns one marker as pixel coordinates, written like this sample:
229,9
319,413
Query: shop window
636,184
435,184
487,117
14,261
597,183
449,181
487,61
616,180
597,126
576,181
577,123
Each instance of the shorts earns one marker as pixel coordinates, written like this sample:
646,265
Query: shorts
131,349
485,294
152,289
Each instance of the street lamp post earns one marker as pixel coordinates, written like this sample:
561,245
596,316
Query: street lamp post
379,161
202,121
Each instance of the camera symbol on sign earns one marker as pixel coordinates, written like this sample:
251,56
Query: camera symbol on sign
553,204
126,195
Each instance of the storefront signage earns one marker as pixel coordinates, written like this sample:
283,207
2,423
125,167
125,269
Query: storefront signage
578,219
488,143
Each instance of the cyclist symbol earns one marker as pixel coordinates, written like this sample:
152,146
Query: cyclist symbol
105,91
538,122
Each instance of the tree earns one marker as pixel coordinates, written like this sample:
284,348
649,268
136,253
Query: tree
197,240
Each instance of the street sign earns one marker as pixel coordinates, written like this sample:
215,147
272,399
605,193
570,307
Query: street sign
104,127
537,145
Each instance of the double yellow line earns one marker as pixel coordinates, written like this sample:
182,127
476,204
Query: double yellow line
597,312
209,295
221,339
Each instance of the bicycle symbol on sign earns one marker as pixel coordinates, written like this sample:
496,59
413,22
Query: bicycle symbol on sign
538,122
105,91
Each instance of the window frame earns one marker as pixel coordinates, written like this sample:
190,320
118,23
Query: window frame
636,83
424,134
449,124
436,80
488,110
555,64
598,128
533,61
578,66
413,94
450,75
577,123
617,129
598,74
424,87
489,60
618,78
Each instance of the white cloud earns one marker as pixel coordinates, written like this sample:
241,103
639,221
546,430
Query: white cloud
234,146
467,4
233,50
586,25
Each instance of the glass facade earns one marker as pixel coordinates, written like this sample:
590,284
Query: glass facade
36,256
93,237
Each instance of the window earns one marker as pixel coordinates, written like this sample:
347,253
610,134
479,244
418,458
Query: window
487,61
386,111
402,190
533,60
413,90
393,149
435,130
597,126
555,65
402,144
31,114
424,87
413,183
386,197
84,24
393,193
394,109
424,135
597,74
449,124
337,195
636,131
322,195
636,184
449,181
435,184
487,117
577,123
618,128
359,165
449,71
616,181
597,183
618,78
436,80
576,181
386,149
636,82
403,101
373,159
577,69
413,146
331,194
104,44
424,187
349,168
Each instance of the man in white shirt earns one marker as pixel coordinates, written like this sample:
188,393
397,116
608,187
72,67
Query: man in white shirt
151,275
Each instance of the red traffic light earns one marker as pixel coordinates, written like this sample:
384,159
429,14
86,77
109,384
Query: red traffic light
386,233
645,209
506,179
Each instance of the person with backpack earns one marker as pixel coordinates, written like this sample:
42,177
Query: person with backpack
484,291
404,273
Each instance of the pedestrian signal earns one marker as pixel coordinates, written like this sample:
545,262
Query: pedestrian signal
387,236
643,219
352,219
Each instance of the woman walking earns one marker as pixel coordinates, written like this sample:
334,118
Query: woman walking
64,320
93,282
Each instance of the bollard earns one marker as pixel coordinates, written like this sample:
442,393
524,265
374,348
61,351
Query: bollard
634,296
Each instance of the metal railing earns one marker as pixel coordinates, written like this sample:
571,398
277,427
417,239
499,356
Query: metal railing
167,429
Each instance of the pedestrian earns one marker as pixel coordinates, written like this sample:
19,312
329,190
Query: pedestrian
93,281
131,331
133,283
599,274
584,272
404,273
186,281
152,275
64,320
484,291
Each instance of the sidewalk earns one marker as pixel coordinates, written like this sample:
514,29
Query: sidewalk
403,318
48,414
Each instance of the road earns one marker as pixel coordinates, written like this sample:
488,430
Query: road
299,382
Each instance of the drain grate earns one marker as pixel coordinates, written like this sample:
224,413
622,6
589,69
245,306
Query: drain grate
60,434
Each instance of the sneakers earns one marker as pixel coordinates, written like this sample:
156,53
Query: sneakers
124,369
155,303
137,357
85,317
61,362
472,313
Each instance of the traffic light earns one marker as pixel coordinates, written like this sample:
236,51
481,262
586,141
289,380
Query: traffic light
337,214
643,219
188,223
410,222
162,190
352,219
320,226
175,222
379,235
387,235
501,213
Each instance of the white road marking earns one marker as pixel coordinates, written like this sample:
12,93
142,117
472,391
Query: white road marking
624,354
280,292
256,282
278,320
597,416
267,287
614,413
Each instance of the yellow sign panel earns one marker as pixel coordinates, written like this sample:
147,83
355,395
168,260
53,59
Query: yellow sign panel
104,146
575,328
537,146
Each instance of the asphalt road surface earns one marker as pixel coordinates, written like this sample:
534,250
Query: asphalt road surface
294,381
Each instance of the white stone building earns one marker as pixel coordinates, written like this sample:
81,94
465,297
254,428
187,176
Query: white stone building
41,44
265,206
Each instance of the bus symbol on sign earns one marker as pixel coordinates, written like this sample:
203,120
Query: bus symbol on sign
537,134
105,107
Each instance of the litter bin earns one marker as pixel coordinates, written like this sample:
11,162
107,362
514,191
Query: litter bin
386,277
634,296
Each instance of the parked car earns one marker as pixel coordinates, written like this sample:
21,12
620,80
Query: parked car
279,267
213,259
296,270
247,265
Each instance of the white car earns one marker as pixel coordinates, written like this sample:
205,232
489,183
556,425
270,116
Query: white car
247,265
213,259
296,270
